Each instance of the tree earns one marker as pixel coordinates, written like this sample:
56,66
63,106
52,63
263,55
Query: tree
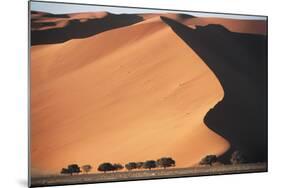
150,164
237,158
140,165
86,168
73,168
104,167
208,160
64,171
131,166
118,166
165,162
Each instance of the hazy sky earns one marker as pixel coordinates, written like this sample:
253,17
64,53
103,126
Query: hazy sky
61,8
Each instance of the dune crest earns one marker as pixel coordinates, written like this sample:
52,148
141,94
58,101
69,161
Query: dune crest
233,25
129,94
241,117
49,28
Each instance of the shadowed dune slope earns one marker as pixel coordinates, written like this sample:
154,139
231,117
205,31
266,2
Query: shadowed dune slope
240,63
174,16
234,25
49,29
129,94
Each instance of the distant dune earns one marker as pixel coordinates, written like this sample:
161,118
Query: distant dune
50,28
174,16
121,88
47,28
234,25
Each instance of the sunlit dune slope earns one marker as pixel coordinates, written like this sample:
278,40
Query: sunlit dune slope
129,94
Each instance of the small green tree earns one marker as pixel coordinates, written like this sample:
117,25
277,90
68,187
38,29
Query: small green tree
64,171
118,166
165,162
105,167
73,169
149,164
86,168
131,166
208,160
140,165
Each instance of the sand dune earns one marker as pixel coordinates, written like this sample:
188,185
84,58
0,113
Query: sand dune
128,94
53,21
234,25
54,28
49,28
174,16
240,63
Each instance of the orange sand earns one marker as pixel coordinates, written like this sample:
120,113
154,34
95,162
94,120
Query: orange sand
234,25
128,94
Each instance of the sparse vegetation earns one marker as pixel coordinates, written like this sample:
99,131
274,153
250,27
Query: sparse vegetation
140,165
237,158
117,166
64,171
208,160
149,174
74,169
210,165
150,164
165,162
131,166
71,169
105,167
86,168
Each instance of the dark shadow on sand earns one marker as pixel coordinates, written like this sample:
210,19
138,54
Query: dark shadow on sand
76,29
240,63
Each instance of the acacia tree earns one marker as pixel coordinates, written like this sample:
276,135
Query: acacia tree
105,167
140,165
118,166
149,164
208,160
86,168
237,158
64,171
73,169
165,162
131,166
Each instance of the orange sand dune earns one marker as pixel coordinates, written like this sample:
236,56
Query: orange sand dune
174,16
234,25
59,21
128,94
